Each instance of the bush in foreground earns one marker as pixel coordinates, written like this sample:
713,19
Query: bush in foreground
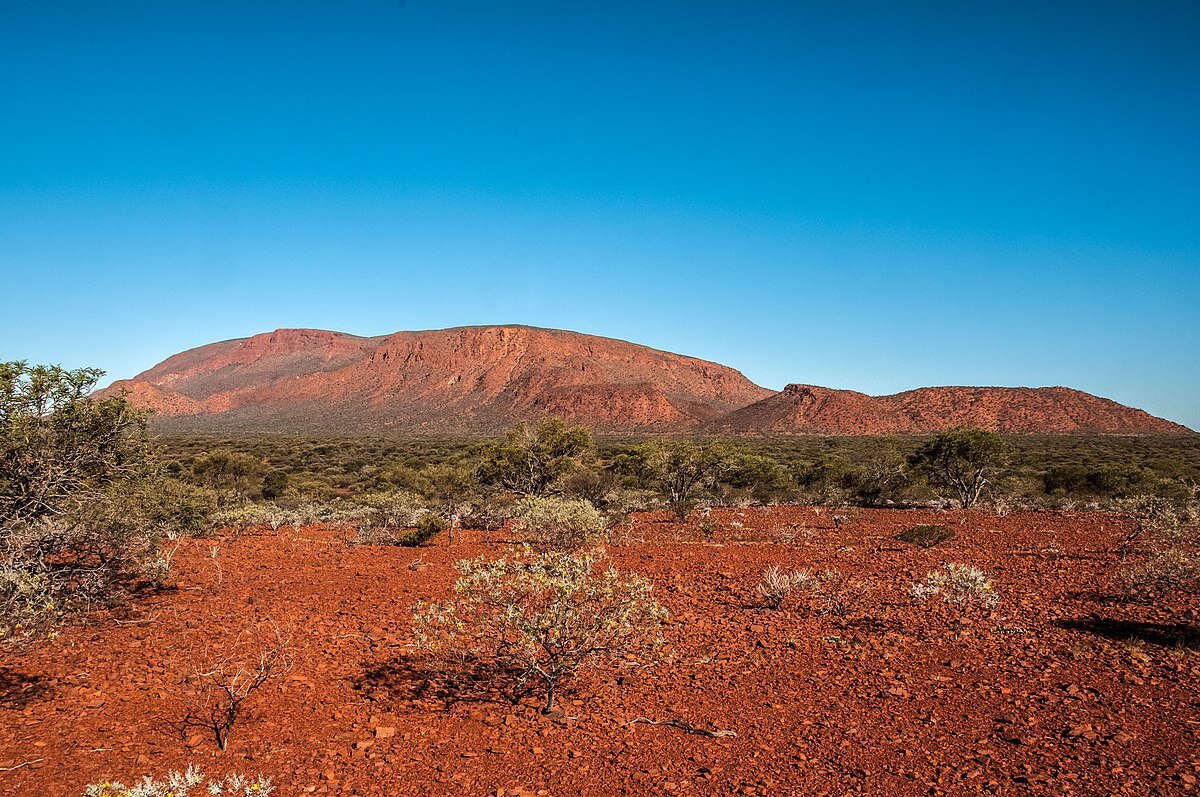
82,509
958,584
183,784
538,618
777,584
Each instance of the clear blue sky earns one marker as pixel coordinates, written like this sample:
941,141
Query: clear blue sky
865,195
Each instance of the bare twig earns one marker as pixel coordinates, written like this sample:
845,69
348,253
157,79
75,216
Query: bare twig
23,764
687,728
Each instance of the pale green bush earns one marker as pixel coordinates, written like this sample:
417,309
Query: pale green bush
559,524
538,618
958,584
185,784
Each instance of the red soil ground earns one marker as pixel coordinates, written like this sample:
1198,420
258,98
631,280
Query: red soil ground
1058,690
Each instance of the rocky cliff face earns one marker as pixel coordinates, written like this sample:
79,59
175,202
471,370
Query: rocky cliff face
471,380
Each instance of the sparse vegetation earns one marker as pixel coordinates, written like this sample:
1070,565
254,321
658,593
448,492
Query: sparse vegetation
925,536
226,680
962,585
183,784
538,619
777,584
559,524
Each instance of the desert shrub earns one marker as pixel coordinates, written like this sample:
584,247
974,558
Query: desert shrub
681,471
530,459
538,618
224,683
1158,520
84,501
836,594
709,526
966,460
588,484
182,784
559,524
925,536
777,584
428,527
233,475
958,584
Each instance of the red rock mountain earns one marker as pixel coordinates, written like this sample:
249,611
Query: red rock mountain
463,380
471,380
806,409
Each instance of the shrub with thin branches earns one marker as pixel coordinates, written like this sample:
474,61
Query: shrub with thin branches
226,681
538,618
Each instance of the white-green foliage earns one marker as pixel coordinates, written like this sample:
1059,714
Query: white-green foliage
269,515
959,584
189,783
540,617
559,524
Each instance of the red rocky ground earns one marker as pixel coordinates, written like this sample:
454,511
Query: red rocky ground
1058,690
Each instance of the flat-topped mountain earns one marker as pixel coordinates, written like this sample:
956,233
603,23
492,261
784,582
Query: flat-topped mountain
462,380
471,380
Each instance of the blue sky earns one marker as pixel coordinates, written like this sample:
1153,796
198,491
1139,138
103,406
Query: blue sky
865,195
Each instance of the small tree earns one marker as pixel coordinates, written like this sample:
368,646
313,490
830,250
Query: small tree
530,459
558,524
539,618
965,460
680,470
81,510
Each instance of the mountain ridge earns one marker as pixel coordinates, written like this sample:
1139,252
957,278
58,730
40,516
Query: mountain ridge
478,379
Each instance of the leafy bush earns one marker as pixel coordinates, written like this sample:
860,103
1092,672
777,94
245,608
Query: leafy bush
428,527
925,536
966,460
181,784
529,460
559,524
538,618
958,584
777,584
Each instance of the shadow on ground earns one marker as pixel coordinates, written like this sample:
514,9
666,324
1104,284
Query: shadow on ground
17,689
1172,635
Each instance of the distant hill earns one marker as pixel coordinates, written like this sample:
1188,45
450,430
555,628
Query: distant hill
806,409
471,380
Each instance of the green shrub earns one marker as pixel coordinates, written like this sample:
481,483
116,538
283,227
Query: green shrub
538,618
428,527
925,536
559,524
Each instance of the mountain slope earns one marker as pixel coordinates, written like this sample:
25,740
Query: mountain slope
472,380
805,409
467,379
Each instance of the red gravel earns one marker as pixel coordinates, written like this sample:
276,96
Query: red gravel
1058,690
